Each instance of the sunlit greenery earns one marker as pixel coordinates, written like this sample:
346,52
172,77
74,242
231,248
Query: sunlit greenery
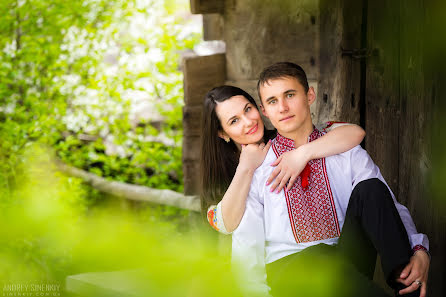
98,85
99,81
49,236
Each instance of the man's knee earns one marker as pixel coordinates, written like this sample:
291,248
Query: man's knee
373,191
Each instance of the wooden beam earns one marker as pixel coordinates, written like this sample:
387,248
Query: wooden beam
201,73
213,26
192,126
207,6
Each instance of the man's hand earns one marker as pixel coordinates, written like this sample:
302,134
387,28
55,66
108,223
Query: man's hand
416,270
288,167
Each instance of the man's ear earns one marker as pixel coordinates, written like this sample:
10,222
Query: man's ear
263,110
311,95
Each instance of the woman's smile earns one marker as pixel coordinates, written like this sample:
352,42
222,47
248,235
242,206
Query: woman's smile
253,129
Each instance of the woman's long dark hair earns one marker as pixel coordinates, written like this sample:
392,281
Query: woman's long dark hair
219,159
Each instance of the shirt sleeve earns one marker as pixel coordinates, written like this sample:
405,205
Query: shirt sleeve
215,218
364,168
248,247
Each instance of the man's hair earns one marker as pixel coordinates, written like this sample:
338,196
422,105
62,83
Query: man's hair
280,70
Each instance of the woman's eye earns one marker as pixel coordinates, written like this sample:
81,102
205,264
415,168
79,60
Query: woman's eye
233,121
248,109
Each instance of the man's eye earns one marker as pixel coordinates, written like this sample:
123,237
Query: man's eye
289,95
272,101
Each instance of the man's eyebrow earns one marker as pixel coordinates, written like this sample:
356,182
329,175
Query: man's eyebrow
231,118
286,92
270,98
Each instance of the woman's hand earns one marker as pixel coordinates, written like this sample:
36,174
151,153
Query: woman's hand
288,167
416,271
252,155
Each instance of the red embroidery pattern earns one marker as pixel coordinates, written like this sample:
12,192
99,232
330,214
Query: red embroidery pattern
419,247
311,209
212,217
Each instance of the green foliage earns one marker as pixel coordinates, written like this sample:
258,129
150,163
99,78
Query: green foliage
51,236
89,68
75,77
97,82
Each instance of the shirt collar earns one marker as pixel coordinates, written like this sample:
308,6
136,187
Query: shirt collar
290,143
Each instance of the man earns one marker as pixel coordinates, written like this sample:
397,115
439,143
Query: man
335,217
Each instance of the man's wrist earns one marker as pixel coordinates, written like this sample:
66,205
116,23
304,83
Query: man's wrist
418,248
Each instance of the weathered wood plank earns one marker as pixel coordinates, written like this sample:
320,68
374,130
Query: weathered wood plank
191,172
382,89
259,33
213,26
207,6
416,91
201,73
339,83
192,120
192,154
382,93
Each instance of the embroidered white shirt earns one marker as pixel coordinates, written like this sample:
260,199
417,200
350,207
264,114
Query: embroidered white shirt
265,233
214,213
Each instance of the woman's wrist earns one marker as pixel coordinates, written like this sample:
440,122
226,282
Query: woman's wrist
306,152
245,168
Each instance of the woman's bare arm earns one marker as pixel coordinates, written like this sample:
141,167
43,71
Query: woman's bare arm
234,200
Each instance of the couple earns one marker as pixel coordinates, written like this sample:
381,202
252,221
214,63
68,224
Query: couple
305,203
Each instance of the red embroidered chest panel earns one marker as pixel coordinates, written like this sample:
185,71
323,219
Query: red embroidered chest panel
311,207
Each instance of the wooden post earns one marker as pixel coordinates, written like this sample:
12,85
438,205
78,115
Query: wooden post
201,73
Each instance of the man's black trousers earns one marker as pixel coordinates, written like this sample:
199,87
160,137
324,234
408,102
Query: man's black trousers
372,225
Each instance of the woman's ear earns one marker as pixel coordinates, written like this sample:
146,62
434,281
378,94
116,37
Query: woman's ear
224,136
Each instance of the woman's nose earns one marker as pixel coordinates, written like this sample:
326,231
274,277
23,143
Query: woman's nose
248,121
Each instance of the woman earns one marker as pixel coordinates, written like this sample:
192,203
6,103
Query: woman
233,146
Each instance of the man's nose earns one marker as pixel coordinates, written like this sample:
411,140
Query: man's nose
283,106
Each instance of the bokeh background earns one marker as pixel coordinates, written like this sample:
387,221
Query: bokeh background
97,85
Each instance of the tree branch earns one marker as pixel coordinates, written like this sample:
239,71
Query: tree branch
133,192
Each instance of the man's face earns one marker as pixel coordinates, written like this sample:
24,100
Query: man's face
286,104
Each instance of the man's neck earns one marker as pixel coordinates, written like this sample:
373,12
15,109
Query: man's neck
300,136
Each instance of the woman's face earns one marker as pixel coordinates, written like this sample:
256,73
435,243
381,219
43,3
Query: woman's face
240,120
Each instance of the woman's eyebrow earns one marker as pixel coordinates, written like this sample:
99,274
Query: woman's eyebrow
231,118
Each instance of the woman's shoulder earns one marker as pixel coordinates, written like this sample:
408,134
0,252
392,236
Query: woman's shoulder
215,218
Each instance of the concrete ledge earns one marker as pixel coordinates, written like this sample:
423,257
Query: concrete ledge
106,284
